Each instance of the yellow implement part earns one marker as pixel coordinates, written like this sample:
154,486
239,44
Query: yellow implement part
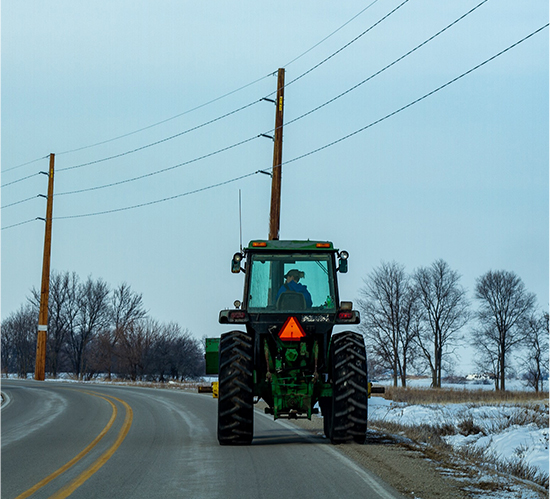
215,389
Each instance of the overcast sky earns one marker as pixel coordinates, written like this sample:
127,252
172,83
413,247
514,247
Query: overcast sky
461,175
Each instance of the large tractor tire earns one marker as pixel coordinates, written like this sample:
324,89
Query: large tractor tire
236,386
350,395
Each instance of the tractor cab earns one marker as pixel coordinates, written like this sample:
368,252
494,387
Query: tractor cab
289,276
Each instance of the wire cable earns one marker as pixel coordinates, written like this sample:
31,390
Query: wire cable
244,107
112,184
326,146
19,202
219,184
20,223
328,36
217,98
425,96
347,44
251,103
207,103
160,141
168,119
384,68
20,180
25,164
156,172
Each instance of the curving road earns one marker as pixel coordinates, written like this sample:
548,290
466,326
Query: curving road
102,441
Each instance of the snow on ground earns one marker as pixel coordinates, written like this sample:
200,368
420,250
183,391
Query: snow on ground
425,382
510,432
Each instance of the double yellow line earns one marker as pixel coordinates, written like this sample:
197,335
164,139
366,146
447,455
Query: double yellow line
68,489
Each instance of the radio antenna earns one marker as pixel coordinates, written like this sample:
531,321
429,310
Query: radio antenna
240,224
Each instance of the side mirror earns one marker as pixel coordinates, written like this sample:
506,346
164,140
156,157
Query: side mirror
343,262
236,263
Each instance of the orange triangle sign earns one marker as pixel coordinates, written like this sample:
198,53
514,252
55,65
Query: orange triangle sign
291,330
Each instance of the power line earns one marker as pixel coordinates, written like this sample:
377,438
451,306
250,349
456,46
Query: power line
348,44
20,223
21,201
326,146
25,164
244,107
328,36
251,103
20,179
232,146
160,141
388,66
212,101
169,119
192,109
220,97
419,99
296,119
219,184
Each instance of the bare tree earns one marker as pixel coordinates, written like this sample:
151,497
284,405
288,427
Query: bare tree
19,340
137,345
444,312
390,317
188,354
126,309
536,358
93,317
504,308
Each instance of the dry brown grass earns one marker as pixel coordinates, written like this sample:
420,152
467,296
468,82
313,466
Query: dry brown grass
430,437
460,396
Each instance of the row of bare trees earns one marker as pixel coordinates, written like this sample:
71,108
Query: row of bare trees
93,329
420,319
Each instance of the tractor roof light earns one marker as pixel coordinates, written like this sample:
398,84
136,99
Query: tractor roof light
344,255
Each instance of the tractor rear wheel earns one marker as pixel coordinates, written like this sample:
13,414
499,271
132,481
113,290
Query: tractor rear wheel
236,386
349,392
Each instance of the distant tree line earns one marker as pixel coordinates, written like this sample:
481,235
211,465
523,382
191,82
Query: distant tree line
93,330
420,319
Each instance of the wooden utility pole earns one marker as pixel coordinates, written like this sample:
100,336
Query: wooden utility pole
40,365
274,219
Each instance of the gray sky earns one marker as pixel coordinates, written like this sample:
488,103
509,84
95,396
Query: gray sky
462,175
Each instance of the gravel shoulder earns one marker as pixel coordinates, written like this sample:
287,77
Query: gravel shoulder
407,470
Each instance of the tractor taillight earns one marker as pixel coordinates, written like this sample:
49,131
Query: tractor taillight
237,316
345,316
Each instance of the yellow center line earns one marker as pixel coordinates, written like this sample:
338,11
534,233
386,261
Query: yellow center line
75,459
86,474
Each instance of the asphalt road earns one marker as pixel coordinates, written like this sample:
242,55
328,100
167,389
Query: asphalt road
103,441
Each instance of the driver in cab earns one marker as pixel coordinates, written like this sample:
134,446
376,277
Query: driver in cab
292,283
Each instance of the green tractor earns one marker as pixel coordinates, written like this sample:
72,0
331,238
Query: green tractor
288,355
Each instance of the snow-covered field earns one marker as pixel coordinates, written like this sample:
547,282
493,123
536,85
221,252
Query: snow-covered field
510,434
425,382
